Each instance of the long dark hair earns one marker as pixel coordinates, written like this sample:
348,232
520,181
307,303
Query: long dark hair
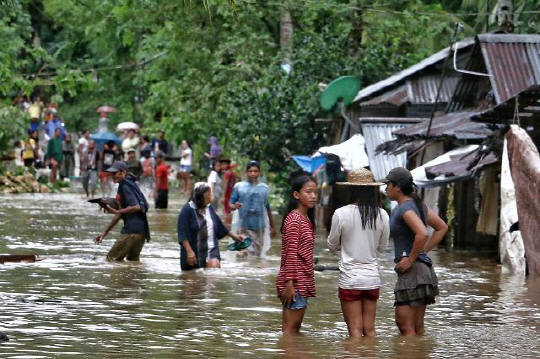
197,195
367,198
408,189
297,185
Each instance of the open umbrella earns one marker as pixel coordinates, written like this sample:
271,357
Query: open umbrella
127,126
103,137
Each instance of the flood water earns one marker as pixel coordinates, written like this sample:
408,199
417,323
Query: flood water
75,303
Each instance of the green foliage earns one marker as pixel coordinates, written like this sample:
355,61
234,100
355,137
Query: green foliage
196,69
13,124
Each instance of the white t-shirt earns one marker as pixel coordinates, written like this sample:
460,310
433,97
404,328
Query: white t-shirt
214,178
84,142
358,265
209,230
186,161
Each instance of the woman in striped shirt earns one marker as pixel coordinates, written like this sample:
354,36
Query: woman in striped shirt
295,281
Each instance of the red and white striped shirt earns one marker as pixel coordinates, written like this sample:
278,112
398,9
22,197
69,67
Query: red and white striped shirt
297,244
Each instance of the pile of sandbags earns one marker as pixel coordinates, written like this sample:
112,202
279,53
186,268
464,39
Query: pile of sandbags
25,183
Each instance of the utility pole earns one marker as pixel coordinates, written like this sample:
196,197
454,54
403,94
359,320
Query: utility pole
505,15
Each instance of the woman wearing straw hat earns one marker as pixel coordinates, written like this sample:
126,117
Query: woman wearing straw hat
417,284
359,230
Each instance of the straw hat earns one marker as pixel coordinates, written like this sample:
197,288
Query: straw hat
360,177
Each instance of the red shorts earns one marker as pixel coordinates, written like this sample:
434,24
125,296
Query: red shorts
351,295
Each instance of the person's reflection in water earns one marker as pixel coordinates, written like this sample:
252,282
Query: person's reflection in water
161,224
126,279
417,347
296,346
194,285
359,347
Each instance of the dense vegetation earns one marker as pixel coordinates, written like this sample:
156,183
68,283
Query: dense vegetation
196,68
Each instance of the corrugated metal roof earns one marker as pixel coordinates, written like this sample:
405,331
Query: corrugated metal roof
423,89
514,62
528,107
396,97
455,124
392,80
376,134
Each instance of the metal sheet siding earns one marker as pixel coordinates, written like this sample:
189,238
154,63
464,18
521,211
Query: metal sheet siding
376,134
423,89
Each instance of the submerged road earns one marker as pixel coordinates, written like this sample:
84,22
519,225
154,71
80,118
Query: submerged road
74,302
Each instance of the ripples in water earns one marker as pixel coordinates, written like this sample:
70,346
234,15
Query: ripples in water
74,302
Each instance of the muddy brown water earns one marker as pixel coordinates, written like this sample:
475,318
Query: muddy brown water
75,303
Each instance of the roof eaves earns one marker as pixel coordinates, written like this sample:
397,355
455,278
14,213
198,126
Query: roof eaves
392,80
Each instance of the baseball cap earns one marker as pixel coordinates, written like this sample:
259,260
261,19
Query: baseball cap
118,166
399,175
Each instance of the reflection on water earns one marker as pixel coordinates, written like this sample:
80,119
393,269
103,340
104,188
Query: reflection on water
76,303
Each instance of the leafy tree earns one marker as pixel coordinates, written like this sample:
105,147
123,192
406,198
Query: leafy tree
212,68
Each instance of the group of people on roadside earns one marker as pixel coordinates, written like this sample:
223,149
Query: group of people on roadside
360,232
58,155
144,159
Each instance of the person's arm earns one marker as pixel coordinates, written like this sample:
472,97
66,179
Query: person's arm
127,210
385,233
190,254
270,218
420,238
235,197
440,228
333,241
111,225
290,267
183,234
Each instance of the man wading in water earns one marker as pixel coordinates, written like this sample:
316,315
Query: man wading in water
133,208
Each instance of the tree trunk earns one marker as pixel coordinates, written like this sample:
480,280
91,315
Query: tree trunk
355,38
286,37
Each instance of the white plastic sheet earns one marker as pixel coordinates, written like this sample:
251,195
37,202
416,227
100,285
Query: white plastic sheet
511,247
352,152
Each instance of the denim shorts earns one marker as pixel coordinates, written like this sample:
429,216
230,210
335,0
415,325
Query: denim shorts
184,168
299,303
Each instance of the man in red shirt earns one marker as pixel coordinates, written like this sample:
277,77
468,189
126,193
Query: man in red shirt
161,193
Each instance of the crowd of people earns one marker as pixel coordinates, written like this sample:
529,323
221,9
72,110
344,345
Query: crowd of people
359,230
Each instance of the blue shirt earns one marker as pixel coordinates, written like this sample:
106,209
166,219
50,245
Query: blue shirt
254,199
52,125
134,223
402,234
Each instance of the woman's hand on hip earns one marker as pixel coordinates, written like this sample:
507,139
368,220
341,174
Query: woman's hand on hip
403,265
288,296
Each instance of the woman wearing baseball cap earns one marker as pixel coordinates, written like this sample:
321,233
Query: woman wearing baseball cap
417,284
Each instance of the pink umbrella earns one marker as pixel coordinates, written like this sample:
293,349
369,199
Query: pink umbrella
127,126
105,109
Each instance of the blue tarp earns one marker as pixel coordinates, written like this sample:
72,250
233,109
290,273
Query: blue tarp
309,164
